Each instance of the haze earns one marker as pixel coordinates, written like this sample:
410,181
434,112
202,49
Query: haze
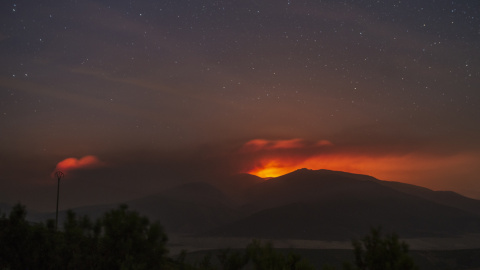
158,93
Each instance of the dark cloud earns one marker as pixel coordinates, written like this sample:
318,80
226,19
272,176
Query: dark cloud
170,91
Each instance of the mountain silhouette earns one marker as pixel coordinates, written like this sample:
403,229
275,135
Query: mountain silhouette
190,208
448,198
305,204
329,205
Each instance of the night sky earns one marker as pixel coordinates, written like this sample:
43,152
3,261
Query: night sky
155,93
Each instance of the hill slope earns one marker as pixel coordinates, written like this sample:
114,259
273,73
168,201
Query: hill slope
331,205
306,204
189,208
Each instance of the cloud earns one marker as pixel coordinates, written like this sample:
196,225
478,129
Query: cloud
270,158
256,145
324,143
395,160
85,163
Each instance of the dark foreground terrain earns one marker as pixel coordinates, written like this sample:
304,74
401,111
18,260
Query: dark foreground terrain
316,213
468,259
124,239
306,204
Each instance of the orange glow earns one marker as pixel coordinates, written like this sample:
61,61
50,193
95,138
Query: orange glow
260,144
405,168
279,166
273,168
71,164
268,159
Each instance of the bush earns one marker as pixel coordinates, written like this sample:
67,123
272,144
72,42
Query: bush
121,239
376,252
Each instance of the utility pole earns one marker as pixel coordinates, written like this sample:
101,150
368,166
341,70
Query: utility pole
59,175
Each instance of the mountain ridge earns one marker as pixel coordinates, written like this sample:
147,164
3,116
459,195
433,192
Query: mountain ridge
346,205
305,204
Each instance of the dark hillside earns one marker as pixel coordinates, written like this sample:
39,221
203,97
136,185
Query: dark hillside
328,205
189,208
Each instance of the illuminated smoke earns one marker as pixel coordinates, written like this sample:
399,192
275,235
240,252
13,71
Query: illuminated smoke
72,164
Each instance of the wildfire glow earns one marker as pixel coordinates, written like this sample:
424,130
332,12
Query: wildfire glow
71,164
407,168
260,144
268,168
269,160
278,157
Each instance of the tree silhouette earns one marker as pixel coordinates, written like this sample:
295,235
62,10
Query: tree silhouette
232,259
376,252
14,235
129,241
122,239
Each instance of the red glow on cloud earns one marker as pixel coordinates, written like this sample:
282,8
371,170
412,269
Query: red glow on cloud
274,167
260,144
269,159
273,158
72,164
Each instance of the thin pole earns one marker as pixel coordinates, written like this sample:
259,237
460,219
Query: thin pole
59,175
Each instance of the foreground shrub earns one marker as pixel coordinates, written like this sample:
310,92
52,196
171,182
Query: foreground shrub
121,239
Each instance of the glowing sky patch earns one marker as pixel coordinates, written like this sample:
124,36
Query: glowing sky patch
360,86
72,164
268,162
274,167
